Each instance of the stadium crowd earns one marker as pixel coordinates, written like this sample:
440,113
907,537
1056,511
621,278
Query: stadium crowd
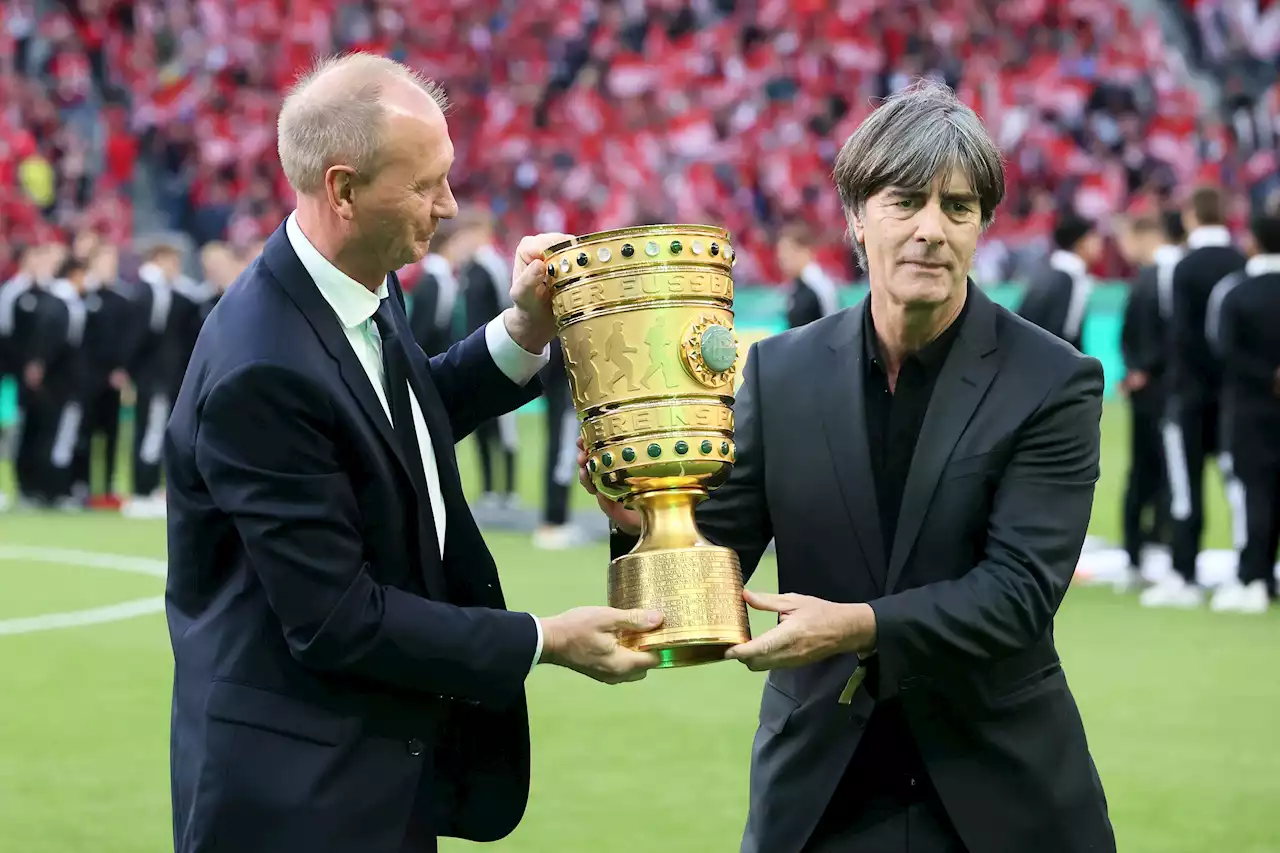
711,110
578,115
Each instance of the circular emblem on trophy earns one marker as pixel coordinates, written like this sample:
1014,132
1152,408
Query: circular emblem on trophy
710,352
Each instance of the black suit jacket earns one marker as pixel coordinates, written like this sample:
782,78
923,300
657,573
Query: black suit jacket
339,686
993,517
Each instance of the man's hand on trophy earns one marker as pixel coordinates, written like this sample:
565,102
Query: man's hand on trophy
587,640
627,519
809,629
529,320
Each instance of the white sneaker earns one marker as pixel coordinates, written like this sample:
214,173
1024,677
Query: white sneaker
1226,597
1252,599
558,538
1172,592
1130,581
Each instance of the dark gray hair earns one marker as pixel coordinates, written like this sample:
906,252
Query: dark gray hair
916,136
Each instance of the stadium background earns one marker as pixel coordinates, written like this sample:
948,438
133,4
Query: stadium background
136,120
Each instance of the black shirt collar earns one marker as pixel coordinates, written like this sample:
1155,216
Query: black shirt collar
930,357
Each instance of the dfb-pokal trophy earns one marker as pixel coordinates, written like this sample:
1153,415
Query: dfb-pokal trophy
645,319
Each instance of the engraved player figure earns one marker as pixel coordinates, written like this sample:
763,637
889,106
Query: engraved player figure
616,351
583,380
659,344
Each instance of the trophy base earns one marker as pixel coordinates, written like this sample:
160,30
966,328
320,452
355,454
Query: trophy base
699,592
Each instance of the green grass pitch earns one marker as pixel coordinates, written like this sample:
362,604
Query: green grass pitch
1181,708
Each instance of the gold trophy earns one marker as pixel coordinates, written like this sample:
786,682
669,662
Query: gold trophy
645,319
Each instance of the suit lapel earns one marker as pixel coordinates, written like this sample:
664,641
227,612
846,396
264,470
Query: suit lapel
844,421
964,379
296,281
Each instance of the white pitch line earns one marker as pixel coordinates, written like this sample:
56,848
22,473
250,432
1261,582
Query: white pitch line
88,559
76,618
92,616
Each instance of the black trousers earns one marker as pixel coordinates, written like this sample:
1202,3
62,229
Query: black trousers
151,415
561,470
1190,438
46,447
101,417
1146,497
1261,481
491,446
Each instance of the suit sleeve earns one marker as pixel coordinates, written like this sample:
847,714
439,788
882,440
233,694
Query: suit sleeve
1037,525
266,448
736,515
1249,367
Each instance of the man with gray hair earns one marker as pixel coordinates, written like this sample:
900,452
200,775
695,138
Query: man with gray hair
347,675
925,465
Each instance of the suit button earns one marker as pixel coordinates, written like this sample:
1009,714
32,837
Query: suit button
415,746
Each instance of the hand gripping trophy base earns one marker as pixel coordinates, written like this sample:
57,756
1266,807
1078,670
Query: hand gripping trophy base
696,585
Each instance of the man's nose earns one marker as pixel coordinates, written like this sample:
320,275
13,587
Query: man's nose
930,225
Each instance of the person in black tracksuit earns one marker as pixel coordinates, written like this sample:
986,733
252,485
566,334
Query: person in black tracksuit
1246,335
434,299
813,295
107,312
1057,295
1142,341
1192,420
160,348
28,320
44,323
486,284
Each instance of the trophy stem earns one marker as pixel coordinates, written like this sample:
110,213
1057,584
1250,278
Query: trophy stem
667,519
674,569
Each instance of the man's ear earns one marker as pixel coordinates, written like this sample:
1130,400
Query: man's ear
340,188
857,231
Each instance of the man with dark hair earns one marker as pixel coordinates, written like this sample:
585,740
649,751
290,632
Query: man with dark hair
931,464
1142,342
1058,295
813,294
1192,415
1244,331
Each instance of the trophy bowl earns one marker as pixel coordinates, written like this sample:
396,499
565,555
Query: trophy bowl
645,320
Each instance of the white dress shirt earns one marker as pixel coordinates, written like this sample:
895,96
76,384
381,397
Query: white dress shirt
354,305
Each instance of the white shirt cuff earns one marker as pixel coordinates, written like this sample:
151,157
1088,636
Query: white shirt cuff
537,652
518,364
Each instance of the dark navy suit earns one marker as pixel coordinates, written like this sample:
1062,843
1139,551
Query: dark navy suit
339,685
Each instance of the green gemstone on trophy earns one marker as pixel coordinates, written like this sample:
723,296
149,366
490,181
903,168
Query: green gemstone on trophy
655,450
607,459
706,446
719,350
682,447
628,454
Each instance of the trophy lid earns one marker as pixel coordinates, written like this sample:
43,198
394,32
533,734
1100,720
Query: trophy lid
639,246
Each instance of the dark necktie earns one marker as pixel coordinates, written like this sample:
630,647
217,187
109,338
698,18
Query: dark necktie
396,371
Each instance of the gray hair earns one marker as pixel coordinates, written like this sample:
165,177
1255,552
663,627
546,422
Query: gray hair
916,136
334,115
